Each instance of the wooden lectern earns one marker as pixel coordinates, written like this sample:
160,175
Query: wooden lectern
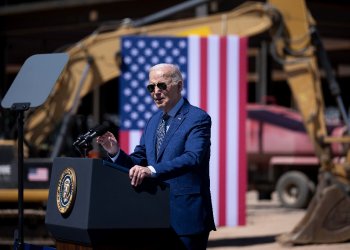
92,205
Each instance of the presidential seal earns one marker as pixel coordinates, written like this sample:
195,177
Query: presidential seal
66,190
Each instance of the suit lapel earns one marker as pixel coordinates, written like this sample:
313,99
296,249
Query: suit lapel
175,124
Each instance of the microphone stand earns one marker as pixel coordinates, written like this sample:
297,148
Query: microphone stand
83,143
83,146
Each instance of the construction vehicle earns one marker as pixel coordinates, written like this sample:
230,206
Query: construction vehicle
287,166
294,43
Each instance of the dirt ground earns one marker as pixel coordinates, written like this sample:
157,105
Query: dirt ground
265,221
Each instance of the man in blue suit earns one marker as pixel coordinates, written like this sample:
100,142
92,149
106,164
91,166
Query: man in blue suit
175,148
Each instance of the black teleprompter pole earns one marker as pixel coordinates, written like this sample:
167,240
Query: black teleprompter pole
20,108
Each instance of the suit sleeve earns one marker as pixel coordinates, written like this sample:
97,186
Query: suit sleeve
138,157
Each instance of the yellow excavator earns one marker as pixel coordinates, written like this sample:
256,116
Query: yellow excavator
294,43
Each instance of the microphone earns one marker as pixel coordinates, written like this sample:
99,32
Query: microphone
85,139
97,131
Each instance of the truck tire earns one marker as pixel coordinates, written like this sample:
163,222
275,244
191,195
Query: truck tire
294,189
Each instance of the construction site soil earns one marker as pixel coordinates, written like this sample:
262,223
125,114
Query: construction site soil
265,220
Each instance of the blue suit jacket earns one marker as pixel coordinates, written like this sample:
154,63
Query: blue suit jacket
183,162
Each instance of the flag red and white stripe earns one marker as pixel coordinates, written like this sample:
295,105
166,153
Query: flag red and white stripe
217,82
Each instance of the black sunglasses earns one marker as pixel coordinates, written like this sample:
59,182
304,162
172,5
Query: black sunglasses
160,85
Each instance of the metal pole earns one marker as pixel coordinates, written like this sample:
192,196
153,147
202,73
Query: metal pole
169,11
67,117
20,180
20,108
262,73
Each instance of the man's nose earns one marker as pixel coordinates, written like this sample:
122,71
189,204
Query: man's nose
157,89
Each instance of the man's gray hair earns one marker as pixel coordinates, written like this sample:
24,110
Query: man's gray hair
174,71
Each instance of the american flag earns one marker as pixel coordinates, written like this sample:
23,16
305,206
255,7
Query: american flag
214,70
40,174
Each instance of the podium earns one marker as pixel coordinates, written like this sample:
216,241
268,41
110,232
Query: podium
92,205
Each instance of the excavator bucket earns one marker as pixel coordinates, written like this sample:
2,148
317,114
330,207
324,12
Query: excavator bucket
327,219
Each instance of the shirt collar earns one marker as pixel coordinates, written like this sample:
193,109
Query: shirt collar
176,108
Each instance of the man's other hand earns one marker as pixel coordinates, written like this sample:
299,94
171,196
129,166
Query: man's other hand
138,173
109,143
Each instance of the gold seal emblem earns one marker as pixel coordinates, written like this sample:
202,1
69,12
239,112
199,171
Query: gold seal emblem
66,190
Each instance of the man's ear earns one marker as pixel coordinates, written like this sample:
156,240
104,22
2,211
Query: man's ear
180,86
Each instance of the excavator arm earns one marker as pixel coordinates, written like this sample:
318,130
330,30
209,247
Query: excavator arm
95,60
299,50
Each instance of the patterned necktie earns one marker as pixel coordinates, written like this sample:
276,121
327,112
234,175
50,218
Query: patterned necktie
161,131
